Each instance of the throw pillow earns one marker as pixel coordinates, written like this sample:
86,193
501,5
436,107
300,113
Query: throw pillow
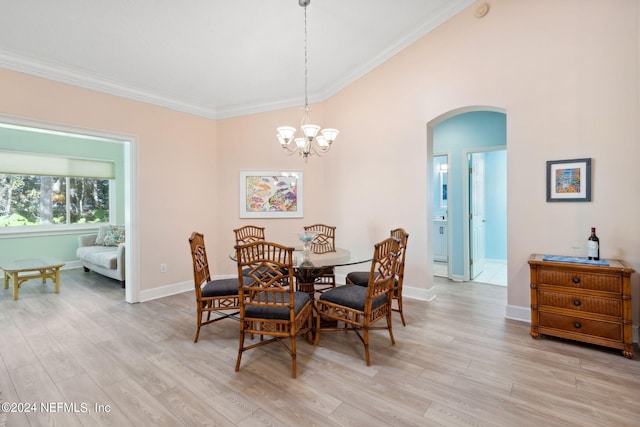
114,236
102,231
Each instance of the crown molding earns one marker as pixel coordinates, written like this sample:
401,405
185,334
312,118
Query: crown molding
81,78
74,77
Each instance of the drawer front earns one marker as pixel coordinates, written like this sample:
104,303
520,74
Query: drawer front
580,280
578,325
586,303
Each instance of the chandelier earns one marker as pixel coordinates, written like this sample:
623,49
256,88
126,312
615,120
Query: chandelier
313,140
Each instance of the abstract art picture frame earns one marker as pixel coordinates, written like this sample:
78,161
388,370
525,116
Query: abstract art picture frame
569,180
271,194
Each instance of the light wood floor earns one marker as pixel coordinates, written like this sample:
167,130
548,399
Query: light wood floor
457,362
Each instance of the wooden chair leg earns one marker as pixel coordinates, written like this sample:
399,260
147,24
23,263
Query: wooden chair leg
195,340
240,348
365,338
399,310
318,328
293,357
393,341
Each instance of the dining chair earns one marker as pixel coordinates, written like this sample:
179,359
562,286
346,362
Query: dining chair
323,242
268,305
218,296
360,307
362,277
248,234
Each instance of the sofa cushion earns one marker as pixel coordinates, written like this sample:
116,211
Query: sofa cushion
102,231
102,256
114,236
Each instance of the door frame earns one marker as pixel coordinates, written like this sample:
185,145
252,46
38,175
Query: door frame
466,241
449,251
129,145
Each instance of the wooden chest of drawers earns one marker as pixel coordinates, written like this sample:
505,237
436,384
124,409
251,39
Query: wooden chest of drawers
582,302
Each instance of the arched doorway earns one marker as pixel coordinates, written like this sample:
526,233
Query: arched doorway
465,135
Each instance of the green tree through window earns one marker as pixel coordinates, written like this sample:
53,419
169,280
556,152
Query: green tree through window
40,200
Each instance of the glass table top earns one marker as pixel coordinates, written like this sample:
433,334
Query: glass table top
340,257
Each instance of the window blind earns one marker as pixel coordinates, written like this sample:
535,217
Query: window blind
23,163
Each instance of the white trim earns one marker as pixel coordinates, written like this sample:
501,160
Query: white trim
516,312
77,77
449,228
419,293
47,230
165,291
132,220
59,73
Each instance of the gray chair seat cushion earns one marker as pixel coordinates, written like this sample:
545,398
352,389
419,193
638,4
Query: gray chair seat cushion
360,278
300,299
222,287
352,296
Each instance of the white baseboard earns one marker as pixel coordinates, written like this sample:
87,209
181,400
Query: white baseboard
165,291
70,265
516,312
418,293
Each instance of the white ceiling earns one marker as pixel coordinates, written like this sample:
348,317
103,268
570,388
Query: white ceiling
213,58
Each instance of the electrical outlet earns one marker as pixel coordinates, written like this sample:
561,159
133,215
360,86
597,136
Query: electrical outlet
163,268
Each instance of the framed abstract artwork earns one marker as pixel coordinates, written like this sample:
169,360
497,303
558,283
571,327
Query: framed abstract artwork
271,194
569,180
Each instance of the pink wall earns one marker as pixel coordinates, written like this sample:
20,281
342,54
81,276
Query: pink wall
249,143
177,163
569,87
564,71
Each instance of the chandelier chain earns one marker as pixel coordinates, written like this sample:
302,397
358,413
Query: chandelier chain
306,78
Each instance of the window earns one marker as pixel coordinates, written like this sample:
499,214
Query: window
36,200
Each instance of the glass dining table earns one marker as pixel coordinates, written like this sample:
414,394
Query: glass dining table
315,265
308,268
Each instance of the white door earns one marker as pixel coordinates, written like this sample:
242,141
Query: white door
476,214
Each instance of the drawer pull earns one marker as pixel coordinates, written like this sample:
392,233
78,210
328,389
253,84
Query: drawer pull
577,302
576,280
577,325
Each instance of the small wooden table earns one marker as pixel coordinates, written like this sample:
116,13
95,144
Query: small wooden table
573,298
35,268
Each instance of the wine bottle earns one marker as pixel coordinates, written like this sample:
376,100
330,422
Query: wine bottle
593,245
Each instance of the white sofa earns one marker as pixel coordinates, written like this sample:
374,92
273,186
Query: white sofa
106,260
